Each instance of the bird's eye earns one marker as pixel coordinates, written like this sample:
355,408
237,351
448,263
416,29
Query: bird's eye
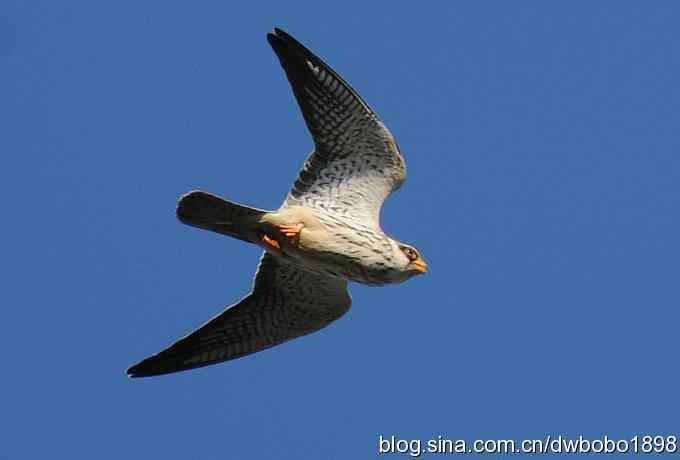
410,252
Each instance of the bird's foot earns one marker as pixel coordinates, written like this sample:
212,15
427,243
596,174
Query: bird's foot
271,244
290,231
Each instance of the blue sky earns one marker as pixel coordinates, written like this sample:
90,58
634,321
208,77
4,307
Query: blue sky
542,144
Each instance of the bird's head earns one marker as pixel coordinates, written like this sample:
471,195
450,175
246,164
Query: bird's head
410,260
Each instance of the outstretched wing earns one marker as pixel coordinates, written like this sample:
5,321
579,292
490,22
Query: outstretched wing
285,303
356,163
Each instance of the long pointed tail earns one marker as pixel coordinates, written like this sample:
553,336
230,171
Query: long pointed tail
210,212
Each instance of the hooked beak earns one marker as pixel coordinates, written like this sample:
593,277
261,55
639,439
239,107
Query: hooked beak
419,265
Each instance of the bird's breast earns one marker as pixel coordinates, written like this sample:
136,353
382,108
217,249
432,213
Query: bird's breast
337,249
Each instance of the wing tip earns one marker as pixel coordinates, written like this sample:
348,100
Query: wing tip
295,58
143,370
140,369
278,33
133,374
152,366
287,47
278,40
275,34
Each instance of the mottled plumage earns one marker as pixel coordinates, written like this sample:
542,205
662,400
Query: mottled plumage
326,232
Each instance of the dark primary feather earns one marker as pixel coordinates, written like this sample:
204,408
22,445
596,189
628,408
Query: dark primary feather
324,96
285,303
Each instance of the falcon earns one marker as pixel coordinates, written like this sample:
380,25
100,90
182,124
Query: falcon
326,233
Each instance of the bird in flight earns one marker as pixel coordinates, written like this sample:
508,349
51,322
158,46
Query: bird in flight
326,232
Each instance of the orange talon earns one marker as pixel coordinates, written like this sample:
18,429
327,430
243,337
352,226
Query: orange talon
272,244
291,231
